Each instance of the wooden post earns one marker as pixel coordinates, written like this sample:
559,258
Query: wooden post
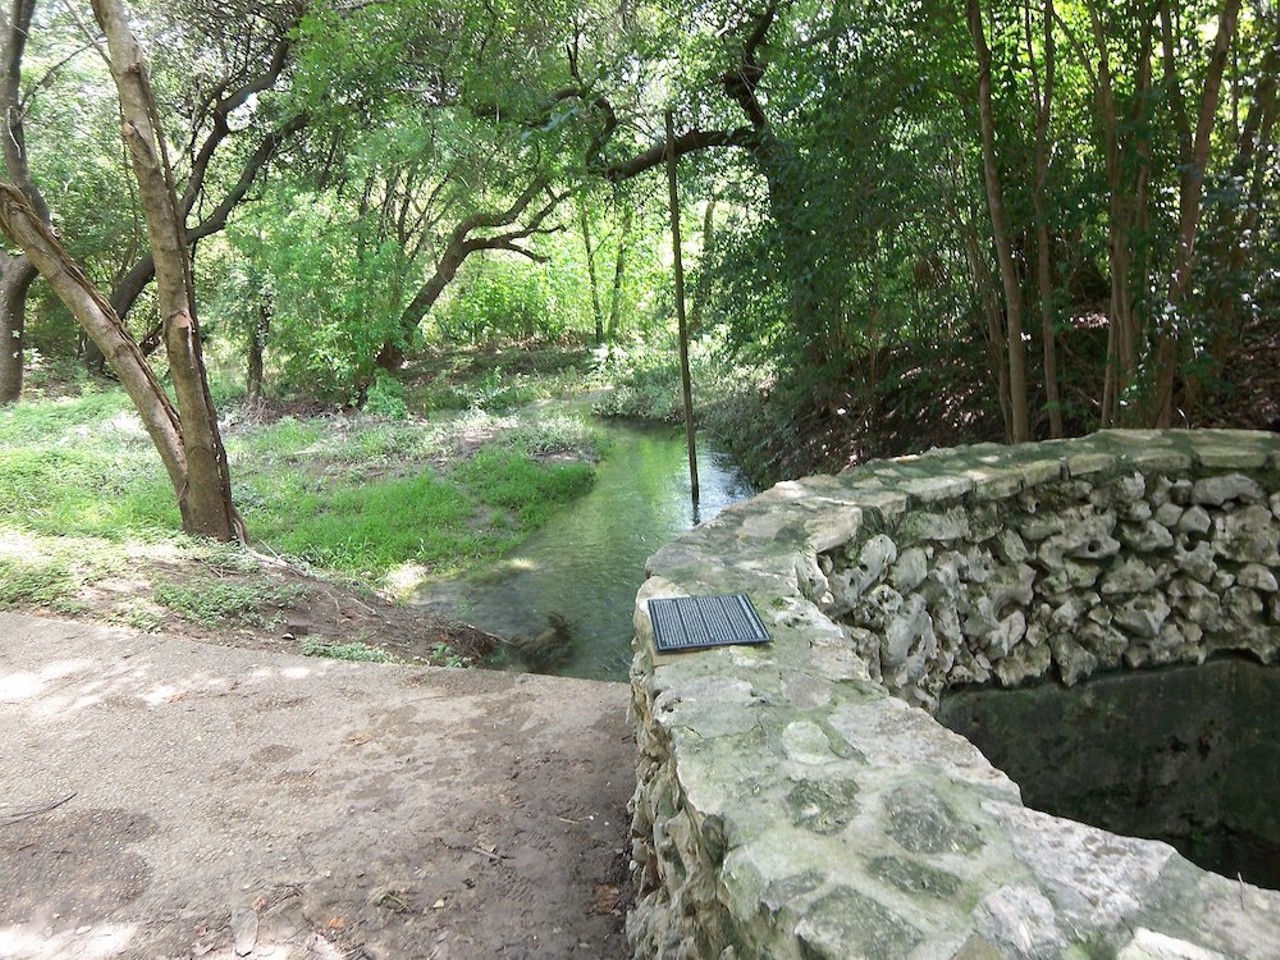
684,329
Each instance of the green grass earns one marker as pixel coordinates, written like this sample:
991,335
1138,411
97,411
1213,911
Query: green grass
359,496
40,582
437,521
49,571
355,652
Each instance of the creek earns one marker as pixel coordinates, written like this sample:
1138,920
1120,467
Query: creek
587,562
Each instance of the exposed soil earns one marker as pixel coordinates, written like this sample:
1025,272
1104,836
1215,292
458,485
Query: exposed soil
315,612
174,799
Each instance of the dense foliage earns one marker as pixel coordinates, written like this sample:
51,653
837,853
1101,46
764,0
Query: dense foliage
908,221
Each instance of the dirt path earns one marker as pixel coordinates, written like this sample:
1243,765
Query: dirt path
164,798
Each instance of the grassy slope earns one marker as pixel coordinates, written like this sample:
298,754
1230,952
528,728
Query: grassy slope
88,524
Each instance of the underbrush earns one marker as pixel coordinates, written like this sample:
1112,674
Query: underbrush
784,425
496,379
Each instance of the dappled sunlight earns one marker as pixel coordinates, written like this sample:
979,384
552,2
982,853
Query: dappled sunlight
32,941
29,941
66,687
285,673
406,576
15,543
24,685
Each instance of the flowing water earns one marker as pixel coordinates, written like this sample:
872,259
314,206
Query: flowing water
587,562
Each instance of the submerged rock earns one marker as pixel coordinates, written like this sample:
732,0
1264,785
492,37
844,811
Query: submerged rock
547,649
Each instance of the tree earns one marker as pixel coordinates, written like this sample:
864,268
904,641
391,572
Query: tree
189,445
247,69
16,271
1193,156
1009,277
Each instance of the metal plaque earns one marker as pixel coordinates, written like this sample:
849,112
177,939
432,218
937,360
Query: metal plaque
693,623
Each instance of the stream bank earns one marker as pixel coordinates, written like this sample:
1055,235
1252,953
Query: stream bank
586,563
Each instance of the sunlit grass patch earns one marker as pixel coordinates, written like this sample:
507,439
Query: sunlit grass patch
66,421
50,571
529,491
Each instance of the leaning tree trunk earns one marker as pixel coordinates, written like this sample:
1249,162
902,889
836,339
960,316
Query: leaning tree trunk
205,502
24,227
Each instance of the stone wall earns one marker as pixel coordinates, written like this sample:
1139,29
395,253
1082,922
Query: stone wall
795,801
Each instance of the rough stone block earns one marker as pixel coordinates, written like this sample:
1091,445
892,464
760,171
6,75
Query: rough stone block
846,923
1215,491
1074,662
1198,562
910,570
1249,535
1026,662
1145,537
1168,515
1231,457
1142,616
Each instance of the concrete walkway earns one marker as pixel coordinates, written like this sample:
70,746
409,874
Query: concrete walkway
163,798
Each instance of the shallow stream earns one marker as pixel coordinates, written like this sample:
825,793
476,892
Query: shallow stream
587,562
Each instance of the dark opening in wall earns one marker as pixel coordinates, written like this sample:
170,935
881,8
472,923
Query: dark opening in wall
1189,755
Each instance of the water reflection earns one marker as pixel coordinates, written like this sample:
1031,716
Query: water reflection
588,561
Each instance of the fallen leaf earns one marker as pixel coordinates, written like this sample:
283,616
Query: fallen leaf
336,923
607,897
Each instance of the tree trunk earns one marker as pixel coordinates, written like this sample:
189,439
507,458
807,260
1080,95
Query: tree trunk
257,345
619,274
129,287
1190,192
392,355
1240,224
702,289
461,245
597,311
205,502
1000,229
24,227
1126,212
1044,260
986,295
16,274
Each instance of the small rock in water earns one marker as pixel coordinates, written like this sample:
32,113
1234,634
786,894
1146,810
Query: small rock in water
548,649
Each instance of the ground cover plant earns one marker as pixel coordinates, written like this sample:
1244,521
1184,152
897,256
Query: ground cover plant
345,509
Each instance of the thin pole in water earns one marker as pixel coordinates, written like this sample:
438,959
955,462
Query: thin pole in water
685,382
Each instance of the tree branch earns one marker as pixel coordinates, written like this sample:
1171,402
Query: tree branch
689,142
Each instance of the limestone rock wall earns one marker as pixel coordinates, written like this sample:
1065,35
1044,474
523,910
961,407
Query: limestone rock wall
1069,576
794,802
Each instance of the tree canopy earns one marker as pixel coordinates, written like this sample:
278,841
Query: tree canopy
1058,214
